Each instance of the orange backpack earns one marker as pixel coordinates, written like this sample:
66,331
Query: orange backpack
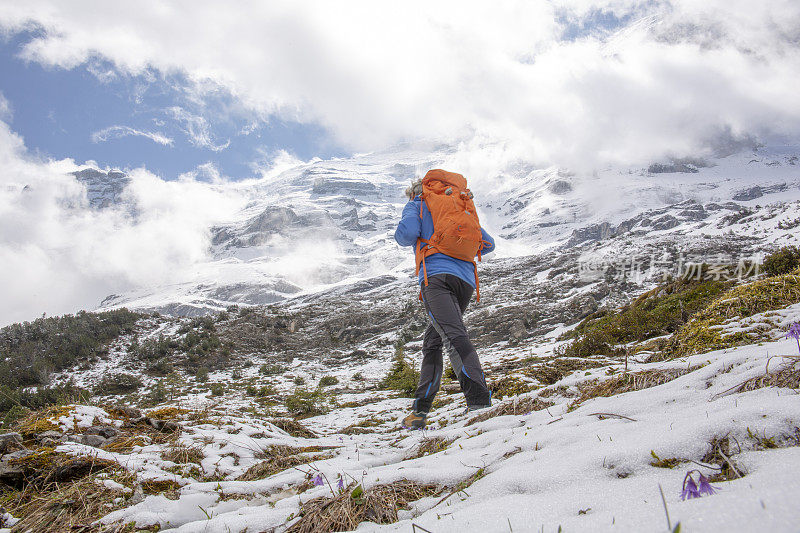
456,229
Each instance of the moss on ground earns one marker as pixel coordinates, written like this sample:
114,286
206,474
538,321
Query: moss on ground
510,386
660,311
705,331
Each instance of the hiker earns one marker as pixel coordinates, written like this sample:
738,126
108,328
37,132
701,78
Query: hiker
445,246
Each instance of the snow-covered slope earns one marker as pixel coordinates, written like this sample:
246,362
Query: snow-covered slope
545,465
326,223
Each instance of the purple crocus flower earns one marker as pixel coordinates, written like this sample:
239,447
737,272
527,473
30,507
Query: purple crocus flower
794,333
340,484
690,489
705,486
318,482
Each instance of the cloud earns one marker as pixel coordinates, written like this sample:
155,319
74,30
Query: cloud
117,132
5,108
58,255
197,129
661,77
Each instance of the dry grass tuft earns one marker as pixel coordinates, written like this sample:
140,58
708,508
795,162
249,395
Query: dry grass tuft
519,406
279,458
787,376
365,426
293,427
719,453
554,370
182,454
167,413
353,506
167,487
137,435
430,446
510,386
40,421
67,505
46,466
629,382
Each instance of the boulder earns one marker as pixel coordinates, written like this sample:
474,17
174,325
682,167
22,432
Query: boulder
10,474
10,442
165,425
48,435
94,441
518,330
104,431
130,412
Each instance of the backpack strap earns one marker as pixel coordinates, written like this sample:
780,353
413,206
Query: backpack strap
477,283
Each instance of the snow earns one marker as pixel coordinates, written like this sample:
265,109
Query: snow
84,416
550,468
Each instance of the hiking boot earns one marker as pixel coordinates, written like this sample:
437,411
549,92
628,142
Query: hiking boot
471,408
416,420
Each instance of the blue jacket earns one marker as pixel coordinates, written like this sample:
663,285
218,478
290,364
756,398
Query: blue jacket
412,227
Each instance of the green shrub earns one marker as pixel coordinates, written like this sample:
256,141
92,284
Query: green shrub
270,370
157,393
202,374
32,350
154,349
217,389
401,376
303,403
327,381
358,376
782,261
17,412
299,380
118,384
16,402
161,367
262,391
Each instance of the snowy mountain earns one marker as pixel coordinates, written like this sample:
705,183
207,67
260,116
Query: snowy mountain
326,223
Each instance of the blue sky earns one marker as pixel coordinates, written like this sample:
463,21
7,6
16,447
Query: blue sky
63,113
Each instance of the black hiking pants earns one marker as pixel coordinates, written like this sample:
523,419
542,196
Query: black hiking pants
446,298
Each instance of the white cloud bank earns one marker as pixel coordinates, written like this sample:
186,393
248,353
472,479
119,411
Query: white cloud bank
58,255
117,132
674,78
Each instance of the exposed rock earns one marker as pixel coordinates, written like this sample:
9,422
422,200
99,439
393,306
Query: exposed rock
164,425
9,474
19,454
559,187
92,440
103,189
331,185
518,330
137,497
125,410
594,232
694,212
104,431
665,222
684,166
583,305
749,194
51,435
10,442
